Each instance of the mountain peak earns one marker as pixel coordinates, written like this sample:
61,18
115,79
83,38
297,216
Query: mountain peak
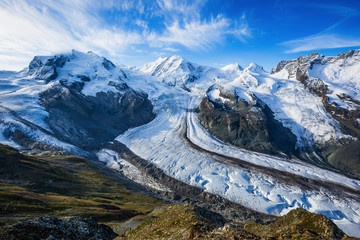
232,67
176,57
253,67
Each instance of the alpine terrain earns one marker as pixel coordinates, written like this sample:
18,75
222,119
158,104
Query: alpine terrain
178,150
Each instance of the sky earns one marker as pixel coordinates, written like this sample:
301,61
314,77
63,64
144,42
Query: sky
208,32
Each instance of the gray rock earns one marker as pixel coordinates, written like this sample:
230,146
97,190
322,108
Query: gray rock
249,125
86,121
74,228
47,71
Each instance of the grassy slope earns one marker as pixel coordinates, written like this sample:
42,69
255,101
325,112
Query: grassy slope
64,186
189,222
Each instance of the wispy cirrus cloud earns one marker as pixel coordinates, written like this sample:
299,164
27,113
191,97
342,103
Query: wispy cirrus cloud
318,42
36,27
189,29
327,38
203,35
29,28
197,34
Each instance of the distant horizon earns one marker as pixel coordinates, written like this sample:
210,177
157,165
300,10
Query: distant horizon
212,33
199,63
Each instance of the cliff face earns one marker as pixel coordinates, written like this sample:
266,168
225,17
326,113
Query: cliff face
247,124
86,121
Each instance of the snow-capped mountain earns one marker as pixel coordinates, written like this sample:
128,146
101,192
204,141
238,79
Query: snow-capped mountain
262,140
175,70
334,79
67,100
232,70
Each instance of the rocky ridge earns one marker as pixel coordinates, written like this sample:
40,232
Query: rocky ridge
198,223
248,124
175,71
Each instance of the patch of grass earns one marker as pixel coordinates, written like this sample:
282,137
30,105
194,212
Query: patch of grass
298,224
31,186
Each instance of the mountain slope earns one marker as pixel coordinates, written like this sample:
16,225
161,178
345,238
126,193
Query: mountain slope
335,80
76,98
66,186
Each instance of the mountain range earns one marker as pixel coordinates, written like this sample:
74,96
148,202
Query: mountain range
267,141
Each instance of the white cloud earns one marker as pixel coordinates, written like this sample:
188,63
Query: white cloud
327,38
197,34
170,49
202,35
322,41
46,27
187,9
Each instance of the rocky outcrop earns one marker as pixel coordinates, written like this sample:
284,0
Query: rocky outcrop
343,154
46,69
198,223
298,224
247,124
87,121
53,228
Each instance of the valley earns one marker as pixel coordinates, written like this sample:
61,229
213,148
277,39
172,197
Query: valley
244,143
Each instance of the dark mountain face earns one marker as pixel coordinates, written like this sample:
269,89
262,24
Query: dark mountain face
87,121
249,125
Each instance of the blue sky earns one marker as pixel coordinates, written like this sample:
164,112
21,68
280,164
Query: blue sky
213,32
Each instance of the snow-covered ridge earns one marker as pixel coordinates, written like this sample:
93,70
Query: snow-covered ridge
232,70
340,73
96,73
20,92
176,71
293,105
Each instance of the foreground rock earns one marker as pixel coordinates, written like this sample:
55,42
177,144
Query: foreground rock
298,224
188,222
74,228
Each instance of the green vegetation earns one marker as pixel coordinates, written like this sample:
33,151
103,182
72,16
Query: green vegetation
189,222
64,186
